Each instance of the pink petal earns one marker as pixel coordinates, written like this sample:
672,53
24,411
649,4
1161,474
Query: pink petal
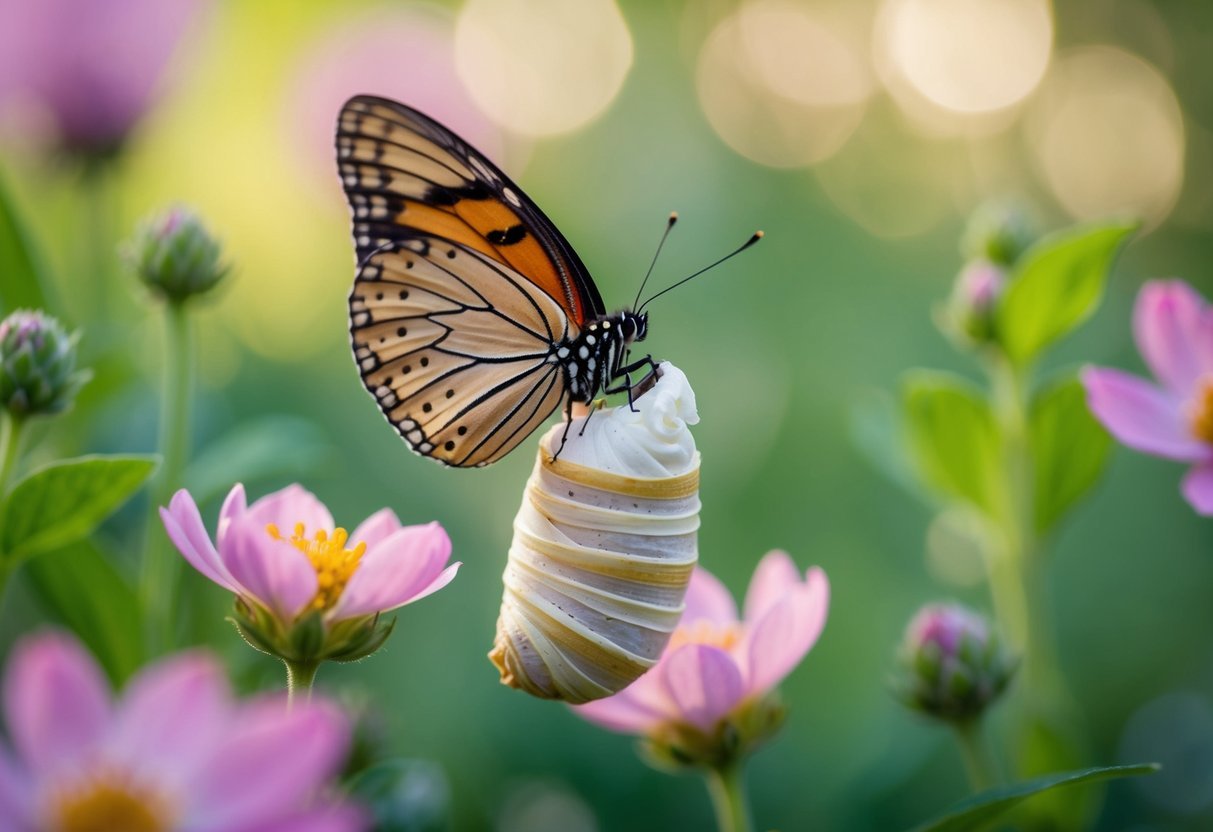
704,684
708,599
16,805
56,701
637,709
339,818
1142,416
375,528
293,504
269,761
401,568
779,640
274,572
1198,488
184,526
171,715
234,506
1167,324
775,576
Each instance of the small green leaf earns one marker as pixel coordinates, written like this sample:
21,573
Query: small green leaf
66,500
21,276
80,587
272,446
974,812
1069,448
1056,286
953,439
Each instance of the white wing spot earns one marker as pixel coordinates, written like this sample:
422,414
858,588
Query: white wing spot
415,436
584,353
511,197
563,352
590,339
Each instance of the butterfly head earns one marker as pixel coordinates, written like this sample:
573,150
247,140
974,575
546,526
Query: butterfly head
634,326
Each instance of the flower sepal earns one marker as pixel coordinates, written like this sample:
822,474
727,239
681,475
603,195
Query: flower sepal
309,638
678,746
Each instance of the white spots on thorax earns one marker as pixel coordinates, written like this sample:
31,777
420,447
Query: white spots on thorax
583,353
590,339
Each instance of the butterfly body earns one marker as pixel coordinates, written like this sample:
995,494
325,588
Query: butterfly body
471,317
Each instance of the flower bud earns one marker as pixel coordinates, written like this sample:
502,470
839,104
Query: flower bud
175,255
952,662
975,295
37,364
998,232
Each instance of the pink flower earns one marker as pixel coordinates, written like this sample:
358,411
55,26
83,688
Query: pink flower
945,626
1173,327
283,557
174,752
717,664
93,68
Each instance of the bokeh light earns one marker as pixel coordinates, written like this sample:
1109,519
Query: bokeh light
542,67
966,57
782,84
1107,135
407,54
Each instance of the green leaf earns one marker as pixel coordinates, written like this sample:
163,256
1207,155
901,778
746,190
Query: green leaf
21,274
953,439
269,447
66,500
1069,448
80,587
976,811
1056,285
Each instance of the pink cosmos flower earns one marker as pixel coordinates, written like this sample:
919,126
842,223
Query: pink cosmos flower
284,555
717,663
92,68
1173,327
174,752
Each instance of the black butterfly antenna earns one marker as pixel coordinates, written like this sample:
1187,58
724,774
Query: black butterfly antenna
669,227
758,235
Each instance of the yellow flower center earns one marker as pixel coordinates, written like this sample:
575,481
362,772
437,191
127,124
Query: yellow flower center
1200,413
724,636
334,564
109,803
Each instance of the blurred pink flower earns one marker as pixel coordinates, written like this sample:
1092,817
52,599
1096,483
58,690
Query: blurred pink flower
93,68
716,663
404,54
945,625
174,752
284,555
1173,327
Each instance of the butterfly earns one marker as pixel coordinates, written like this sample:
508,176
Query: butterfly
471,317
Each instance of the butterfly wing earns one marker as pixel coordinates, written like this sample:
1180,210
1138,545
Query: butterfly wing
456,348
405,174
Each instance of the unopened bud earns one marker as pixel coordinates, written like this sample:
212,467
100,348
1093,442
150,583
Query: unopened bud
975,295
37,364
175,255
998,232
953,664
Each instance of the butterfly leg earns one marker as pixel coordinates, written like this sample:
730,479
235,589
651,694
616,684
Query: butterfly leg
568,423
628,386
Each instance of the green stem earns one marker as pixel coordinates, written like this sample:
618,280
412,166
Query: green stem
299,679
978,761
726,784
1015,565
10,449
158,581
98,239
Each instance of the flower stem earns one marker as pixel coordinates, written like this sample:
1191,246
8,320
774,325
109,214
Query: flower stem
726,784
979,762
299,679
158,581
10,448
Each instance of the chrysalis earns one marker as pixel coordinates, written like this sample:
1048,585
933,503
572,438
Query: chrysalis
603,549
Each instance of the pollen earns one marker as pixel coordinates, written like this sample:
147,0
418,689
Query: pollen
1200,413
723,636
334,563
109,802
